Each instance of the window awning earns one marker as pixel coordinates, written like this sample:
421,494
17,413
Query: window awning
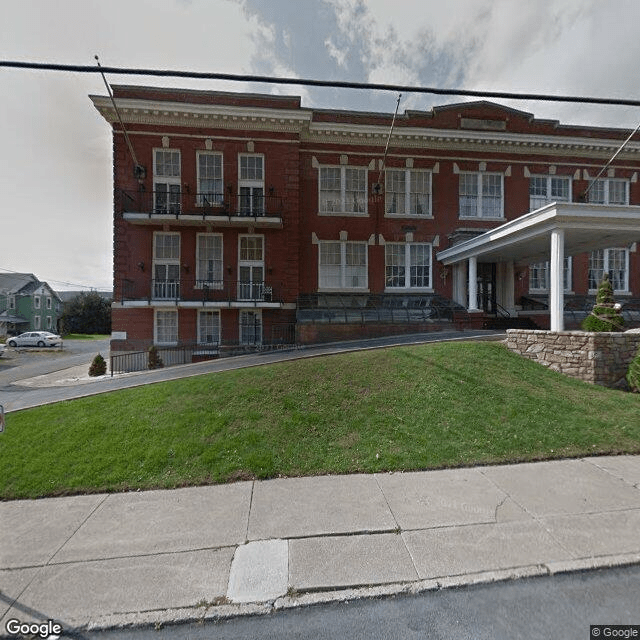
526,239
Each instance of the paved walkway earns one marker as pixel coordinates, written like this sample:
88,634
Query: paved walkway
156,557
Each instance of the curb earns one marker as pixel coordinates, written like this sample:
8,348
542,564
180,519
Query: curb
224,610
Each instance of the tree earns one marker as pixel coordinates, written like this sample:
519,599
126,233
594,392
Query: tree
606,314
86,313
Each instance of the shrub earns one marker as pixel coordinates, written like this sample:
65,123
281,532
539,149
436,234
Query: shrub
155,361
98,367
633,375
606,314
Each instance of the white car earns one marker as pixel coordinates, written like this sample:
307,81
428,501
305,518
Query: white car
35,339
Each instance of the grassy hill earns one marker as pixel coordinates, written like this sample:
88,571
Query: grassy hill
403,408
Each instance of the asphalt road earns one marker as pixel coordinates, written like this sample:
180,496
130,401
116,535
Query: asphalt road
562,607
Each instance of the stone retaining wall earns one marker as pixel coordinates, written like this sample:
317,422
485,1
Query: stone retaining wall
599,358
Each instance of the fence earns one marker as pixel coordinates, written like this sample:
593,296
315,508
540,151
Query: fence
276,336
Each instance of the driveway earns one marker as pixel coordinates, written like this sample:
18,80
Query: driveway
26,362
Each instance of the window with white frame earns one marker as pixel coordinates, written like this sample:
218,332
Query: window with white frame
166,327
481,195
539,275
615,263
49,322
251,185
210,183
342,265
343,190
36,302
408,192
36,322
251,284
250,327
48,302
166,180
408,265
209,260
166,265
546,189
609,191
12,302
208,327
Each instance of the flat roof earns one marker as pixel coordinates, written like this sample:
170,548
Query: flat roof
527,239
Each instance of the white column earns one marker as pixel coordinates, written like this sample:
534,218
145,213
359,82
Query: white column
556,299
509,284
473,284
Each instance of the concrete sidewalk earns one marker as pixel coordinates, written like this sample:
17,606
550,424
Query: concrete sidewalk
159,557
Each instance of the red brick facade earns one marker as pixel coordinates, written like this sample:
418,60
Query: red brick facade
242,262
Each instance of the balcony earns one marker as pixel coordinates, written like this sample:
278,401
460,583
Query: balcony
189,292
220,209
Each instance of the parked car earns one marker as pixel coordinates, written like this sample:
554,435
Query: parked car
35,339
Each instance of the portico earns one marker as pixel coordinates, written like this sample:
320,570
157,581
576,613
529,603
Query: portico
547,234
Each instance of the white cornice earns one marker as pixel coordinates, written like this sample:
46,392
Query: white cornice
202,115
410,137
300,121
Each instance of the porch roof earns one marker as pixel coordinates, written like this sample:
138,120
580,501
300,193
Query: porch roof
527,239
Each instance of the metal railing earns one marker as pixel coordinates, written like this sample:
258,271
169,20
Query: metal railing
253,338
180,354
375,308
156,203
195,290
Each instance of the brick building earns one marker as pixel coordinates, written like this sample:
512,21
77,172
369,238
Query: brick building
251,219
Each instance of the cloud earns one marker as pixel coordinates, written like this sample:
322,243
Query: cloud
577,47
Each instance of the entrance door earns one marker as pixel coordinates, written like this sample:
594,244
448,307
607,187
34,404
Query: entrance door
487,287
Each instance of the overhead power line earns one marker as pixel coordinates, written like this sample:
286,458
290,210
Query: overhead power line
336,84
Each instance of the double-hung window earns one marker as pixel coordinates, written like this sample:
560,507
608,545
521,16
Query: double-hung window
408,265
209,261
166,327
615,263
546,189
36,302
481,195
343,190
408,192
609,191
166,181
210,184
539,276
251,185
250,327
342,265
166,266
208,327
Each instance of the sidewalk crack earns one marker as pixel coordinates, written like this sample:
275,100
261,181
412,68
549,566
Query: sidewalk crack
73,533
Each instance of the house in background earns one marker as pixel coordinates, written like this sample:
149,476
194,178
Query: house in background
250,219
27,304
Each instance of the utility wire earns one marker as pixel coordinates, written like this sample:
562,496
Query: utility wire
137,167
169,73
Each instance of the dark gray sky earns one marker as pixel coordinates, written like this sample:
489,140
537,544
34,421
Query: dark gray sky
56,179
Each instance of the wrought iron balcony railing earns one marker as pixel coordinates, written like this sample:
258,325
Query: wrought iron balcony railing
194,290
157,203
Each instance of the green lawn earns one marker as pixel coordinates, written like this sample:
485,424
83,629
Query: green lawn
419,407
85,336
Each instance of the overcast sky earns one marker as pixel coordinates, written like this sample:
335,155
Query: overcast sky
56,178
